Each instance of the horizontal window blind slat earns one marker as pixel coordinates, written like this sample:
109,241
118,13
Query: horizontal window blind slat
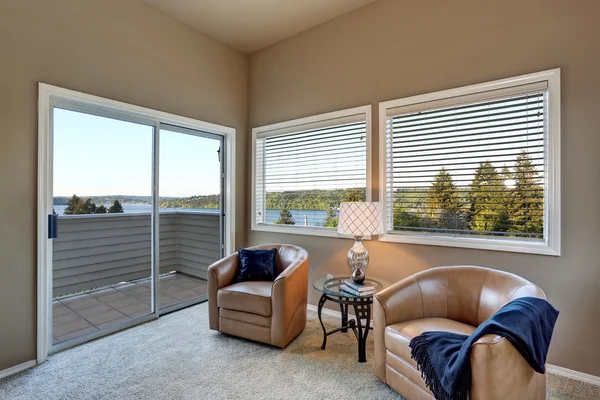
445,164
475,154
309,163
457,143
465,129
401,175
332,154
351,131
318,173
484,120
452,135
443,150
325,149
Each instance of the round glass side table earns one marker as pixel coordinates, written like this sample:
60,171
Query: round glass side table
330,291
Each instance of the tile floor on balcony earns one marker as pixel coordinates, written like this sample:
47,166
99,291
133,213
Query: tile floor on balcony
77,315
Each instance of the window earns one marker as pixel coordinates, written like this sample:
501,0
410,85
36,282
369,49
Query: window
475,167
304,168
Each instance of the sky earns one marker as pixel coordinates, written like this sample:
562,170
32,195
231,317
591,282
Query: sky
102,156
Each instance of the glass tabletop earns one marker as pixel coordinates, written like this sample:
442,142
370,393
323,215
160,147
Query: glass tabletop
332,286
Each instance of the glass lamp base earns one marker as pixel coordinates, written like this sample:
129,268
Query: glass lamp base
358,260
358,276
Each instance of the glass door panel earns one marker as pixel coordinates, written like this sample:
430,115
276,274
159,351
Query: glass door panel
189,213
102,202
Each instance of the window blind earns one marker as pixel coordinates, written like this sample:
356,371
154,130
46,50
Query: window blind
472,168
309,170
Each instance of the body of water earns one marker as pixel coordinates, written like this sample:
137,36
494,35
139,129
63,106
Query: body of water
138,208
302,217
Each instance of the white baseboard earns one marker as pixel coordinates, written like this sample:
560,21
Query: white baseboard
569,373
17,368
326,311
554,369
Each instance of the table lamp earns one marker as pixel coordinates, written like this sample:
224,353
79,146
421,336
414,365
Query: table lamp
359,219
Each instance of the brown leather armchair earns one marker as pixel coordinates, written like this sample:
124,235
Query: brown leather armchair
455,299
264,311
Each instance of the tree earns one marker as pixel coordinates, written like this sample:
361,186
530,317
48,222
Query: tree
408,207
74,204
116,208
331,220
101,209
88,207
487,195
528,198
356,194
285,218
444,202
506,202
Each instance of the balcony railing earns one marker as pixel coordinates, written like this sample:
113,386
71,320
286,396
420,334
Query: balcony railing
98,250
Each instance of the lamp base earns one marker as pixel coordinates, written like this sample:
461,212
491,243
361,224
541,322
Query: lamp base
358,276
358,260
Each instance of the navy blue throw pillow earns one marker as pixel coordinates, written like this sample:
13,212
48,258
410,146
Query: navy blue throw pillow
257,265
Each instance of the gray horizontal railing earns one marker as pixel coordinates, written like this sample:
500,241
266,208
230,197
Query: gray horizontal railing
92,251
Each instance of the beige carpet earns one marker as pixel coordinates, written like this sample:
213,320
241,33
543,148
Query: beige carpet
177,357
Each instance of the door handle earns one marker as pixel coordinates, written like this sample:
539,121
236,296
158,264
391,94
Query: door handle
52,226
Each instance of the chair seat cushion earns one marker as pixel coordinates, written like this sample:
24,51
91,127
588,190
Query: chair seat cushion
398,336
253,297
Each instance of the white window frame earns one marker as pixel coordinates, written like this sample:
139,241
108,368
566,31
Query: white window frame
315,120
552,220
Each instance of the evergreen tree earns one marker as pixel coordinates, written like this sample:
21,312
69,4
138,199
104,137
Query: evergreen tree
285,218
100,209
331,221
88,207
528,198
444,203
505,199
487,193
116,208
74,205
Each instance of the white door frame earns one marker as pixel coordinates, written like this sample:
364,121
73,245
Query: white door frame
48,94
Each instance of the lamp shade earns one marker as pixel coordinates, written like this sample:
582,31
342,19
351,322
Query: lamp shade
360,218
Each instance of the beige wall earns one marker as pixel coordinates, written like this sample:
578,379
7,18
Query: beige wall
122,50
397,48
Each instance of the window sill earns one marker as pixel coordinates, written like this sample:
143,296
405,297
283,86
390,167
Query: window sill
513,246
303,230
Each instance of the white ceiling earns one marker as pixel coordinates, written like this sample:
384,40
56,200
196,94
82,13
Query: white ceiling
250,25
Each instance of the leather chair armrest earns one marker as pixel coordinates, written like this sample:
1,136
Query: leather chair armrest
288,301
220,274
494,362
401,302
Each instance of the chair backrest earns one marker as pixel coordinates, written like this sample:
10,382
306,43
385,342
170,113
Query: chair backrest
286,254
470,294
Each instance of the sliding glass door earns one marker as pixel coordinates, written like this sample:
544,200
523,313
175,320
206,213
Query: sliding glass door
190,209
135,218
102,202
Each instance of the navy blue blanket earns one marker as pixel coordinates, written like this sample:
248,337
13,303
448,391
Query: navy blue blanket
443,357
